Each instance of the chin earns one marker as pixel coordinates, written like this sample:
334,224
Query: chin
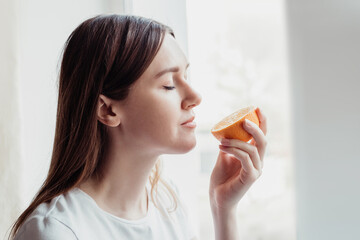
179,145
186,146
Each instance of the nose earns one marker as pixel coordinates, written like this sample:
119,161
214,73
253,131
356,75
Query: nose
191,99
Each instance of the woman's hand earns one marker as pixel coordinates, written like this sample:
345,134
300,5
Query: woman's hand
238,166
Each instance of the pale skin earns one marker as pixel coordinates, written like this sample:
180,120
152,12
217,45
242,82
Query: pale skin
148,124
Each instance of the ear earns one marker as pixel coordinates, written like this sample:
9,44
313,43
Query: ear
107,112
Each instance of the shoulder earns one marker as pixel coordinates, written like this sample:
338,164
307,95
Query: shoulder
53,220
44,227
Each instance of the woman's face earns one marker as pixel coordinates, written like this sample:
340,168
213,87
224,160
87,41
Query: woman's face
159,102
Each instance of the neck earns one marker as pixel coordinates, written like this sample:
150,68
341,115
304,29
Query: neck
120,189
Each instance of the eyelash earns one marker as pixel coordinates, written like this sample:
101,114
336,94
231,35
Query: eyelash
169,87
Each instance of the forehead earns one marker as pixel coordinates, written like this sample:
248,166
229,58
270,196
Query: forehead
169,55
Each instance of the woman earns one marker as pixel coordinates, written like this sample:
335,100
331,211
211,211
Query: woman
123,101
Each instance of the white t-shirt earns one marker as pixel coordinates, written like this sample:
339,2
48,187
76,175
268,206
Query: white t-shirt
75,215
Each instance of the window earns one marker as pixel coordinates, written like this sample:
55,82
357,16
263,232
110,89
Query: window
238,54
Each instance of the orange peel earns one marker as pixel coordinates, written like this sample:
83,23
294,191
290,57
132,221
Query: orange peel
232,125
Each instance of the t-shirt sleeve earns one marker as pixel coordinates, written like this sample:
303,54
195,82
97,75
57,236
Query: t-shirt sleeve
44,228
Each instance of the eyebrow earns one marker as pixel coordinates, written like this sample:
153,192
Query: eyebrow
171,69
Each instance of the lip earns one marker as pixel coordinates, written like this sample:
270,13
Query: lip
189,125
189,122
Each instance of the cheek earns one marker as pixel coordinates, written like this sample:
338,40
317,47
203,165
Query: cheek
153,115
160,119
160,106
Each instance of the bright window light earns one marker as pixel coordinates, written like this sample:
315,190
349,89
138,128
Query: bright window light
237,50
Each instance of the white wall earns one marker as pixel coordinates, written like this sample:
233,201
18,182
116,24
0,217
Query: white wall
9,112
324,40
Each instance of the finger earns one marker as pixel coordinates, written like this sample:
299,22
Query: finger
261,154
242,156
263,120
226,161
246,147
258,136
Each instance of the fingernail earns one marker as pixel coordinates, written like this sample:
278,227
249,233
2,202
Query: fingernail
225,141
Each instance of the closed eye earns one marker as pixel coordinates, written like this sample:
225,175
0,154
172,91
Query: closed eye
169,87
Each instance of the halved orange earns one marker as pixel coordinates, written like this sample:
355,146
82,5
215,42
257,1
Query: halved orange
232,125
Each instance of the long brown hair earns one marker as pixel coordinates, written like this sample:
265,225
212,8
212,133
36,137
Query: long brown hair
105,55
